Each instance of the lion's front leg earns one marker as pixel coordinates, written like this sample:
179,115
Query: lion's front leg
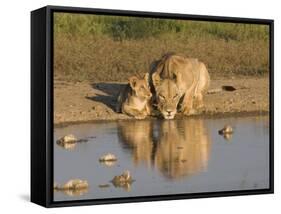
198,101
148,108
187,105
134,112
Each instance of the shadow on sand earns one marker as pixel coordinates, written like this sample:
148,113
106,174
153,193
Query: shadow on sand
110,93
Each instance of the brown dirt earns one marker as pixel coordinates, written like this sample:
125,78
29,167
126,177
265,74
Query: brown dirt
84,101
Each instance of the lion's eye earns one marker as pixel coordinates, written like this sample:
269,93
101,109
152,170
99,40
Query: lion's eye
161,97
175,96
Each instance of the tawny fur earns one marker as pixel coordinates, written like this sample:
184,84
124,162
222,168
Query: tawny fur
134,100
179,83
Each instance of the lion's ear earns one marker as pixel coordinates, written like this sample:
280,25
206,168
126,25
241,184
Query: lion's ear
133,81
156,79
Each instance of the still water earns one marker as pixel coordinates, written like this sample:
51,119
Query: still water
165,157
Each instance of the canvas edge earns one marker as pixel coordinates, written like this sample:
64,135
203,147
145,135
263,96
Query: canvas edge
38,190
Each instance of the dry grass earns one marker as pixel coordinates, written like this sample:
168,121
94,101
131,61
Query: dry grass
100,56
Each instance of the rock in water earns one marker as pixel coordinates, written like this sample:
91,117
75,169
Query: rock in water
104,185
108,158
124,178
227,129
76,184
74,187
124,181
67,141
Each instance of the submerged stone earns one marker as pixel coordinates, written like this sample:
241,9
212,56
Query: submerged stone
104,185
227,129
123,181
226,132
108,158
67,141
76,184
124,178
74,187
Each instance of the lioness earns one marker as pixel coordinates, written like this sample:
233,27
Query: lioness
134,100
179,82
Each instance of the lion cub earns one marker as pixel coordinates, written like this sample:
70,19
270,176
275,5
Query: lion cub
134,100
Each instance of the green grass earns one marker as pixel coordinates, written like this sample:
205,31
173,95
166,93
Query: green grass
110,48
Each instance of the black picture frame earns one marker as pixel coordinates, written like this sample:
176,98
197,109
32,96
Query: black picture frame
42,105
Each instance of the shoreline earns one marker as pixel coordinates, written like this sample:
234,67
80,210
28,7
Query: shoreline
86,102
217,115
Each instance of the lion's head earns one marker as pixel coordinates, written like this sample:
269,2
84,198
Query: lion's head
167,96
140,87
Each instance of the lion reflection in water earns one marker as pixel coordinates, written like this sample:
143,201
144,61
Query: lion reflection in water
177,148
138,136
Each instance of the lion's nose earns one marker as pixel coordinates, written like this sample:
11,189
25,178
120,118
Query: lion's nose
169,111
